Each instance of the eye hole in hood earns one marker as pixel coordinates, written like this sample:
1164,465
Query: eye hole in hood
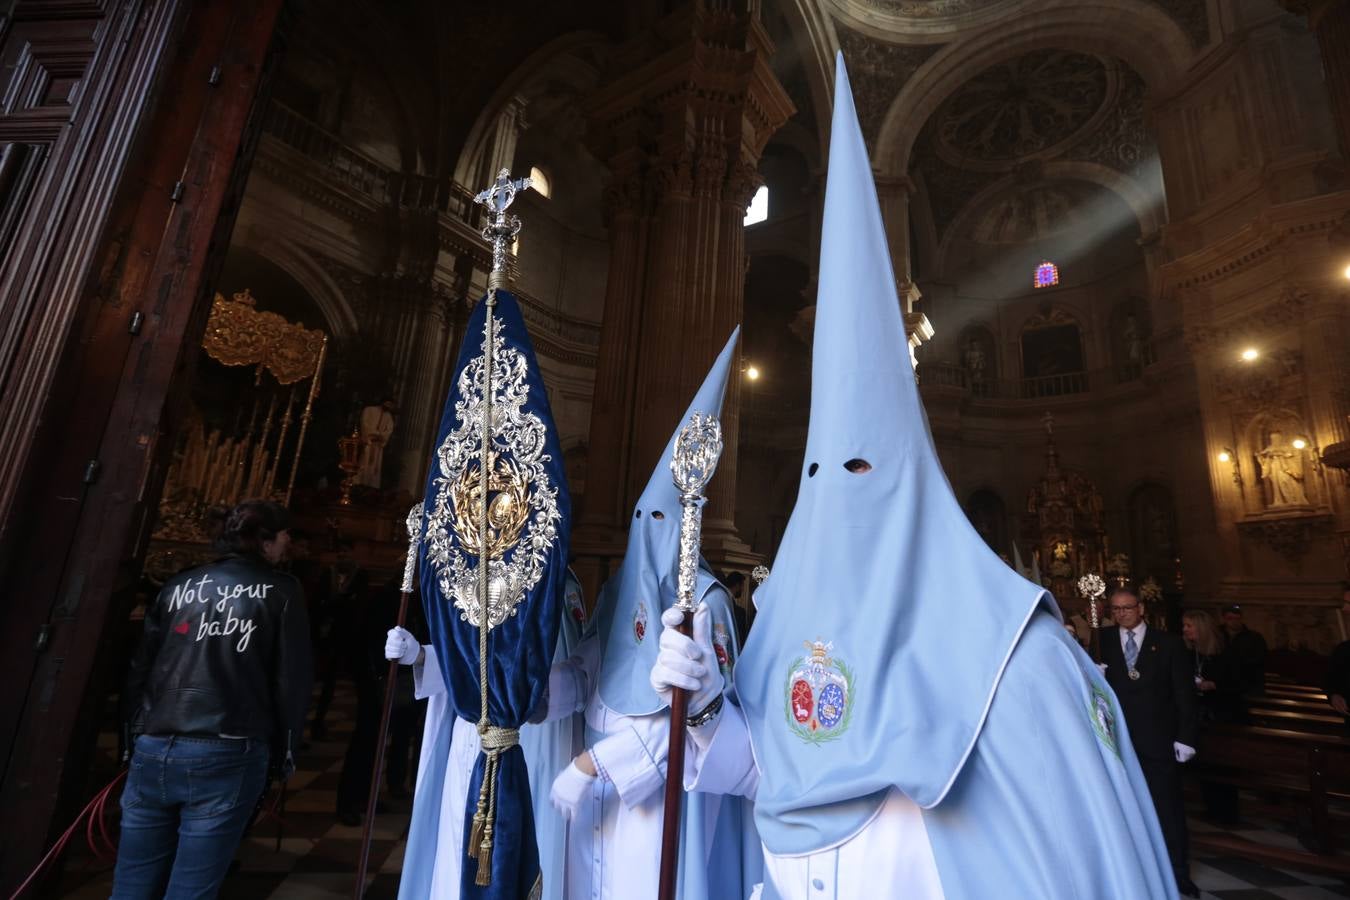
858,466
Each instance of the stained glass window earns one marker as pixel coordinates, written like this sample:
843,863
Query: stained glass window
1047,274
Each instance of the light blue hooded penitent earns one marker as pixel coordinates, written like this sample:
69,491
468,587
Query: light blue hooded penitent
727,861
628,612
893,649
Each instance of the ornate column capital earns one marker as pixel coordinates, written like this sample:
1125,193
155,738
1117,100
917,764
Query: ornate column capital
692,122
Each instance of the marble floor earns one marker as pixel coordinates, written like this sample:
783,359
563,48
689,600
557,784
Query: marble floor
315,856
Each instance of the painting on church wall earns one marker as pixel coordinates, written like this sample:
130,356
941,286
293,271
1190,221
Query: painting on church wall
1054,349
1153,531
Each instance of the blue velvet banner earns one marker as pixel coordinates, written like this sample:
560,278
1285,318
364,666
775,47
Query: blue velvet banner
529,517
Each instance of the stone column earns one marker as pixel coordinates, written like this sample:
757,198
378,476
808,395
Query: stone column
681,122
501,150
422,388
1330,21
893,195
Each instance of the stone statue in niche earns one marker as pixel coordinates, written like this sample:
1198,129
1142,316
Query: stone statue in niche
1134,344
975,361
1281,471
376,427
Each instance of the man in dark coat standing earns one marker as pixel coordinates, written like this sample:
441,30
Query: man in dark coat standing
1151,674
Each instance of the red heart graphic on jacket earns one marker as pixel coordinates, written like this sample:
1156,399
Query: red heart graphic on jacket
181,628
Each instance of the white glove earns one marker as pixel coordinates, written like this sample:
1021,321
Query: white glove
402,646
1183,752
1102,666
688,663
569,789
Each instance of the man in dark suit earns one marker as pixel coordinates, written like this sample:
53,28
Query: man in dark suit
1152,677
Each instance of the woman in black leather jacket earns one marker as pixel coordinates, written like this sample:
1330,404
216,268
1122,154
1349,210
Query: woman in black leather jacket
218,688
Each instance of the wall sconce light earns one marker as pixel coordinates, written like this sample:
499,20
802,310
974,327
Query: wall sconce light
1228,455
1347,271
1250,354
752,372
1298,443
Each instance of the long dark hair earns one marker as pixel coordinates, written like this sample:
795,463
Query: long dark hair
249,525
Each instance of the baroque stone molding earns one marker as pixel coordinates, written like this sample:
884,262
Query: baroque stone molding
877,72
1289,535
1285,310
1255,385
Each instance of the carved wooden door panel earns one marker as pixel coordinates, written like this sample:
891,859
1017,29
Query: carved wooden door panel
125,131
74,81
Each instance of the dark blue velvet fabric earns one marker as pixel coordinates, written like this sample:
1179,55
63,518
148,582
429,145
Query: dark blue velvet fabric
520,649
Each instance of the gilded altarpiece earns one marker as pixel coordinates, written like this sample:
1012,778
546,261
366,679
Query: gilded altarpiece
1063,524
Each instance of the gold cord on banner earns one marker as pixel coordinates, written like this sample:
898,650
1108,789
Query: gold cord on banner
480,835
494,740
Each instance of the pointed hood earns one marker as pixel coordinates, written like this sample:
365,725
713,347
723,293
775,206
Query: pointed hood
884,630
629,609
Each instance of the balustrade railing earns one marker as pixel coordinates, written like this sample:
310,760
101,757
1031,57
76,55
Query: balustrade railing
940,374
359,172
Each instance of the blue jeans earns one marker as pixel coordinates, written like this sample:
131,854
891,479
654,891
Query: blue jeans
186,803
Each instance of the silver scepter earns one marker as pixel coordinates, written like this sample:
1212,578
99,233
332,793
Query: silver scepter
697,450
1091,588
414,524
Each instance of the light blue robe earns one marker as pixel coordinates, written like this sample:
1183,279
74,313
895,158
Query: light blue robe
898,664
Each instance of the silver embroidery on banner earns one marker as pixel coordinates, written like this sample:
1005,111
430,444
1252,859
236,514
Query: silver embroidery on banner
522,500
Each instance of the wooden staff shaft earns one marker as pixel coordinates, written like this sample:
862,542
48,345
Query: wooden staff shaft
390,685
670,823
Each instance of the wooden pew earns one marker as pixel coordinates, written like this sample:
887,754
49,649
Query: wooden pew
1317,707
1310,773
1328,723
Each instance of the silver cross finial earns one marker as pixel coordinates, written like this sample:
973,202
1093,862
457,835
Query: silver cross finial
500,227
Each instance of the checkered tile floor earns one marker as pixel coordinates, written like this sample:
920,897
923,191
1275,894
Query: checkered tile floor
317,856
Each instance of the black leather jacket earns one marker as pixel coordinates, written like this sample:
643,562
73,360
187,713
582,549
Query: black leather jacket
225,652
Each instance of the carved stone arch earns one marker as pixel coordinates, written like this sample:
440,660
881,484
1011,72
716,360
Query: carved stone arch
1135,31
817,42
571,59
339,317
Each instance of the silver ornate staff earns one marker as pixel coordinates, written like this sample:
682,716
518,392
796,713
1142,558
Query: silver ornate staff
697,450
498,231
414,525
1091,588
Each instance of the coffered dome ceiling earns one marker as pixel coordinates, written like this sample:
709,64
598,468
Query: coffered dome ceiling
1031,107
1018,122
